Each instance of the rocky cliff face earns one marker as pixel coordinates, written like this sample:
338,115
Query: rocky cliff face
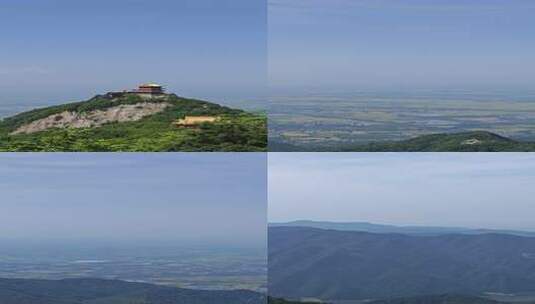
67,119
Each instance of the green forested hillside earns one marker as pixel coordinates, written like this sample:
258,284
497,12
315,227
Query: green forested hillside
272,300
430,299
477,141
441,299
354,265
236,130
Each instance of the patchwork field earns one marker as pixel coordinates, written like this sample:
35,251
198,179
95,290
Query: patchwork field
207,269
364,117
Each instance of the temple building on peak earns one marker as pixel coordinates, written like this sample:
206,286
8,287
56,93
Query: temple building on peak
146,90
150,88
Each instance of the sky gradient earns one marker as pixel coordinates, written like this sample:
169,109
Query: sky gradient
189,197
473,190
361,44
55,51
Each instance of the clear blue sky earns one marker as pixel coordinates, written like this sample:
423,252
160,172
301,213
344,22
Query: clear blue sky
61,50
402,43
477,190
188,197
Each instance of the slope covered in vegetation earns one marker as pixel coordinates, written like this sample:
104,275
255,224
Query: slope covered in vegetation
425,299
272,300
439,299
352,265
475,141
235,130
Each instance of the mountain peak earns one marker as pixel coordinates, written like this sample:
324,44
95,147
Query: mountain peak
143,120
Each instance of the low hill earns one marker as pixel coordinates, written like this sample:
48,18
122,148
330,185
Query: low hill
276,146
411,230
439,299
349,265
431,299
475,141
97,291
284,301
129,122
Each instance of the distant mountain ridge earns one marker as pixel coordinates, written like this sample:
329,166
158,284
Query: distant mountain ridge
99,291
350,265
381,228
471,141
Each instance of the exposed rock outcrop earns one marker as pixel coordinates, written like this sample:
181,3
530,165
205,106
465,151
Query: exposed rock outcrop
120,113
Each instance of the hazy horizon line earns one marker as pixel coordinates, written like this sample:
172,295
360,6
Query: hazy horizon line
400,225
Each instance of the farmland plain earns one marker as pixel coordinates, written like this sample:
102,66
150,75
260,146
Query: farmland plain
355,118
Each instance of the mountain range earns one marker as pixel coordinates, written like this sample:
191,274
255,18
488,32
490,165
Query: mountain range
328,264
412,230
99,291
